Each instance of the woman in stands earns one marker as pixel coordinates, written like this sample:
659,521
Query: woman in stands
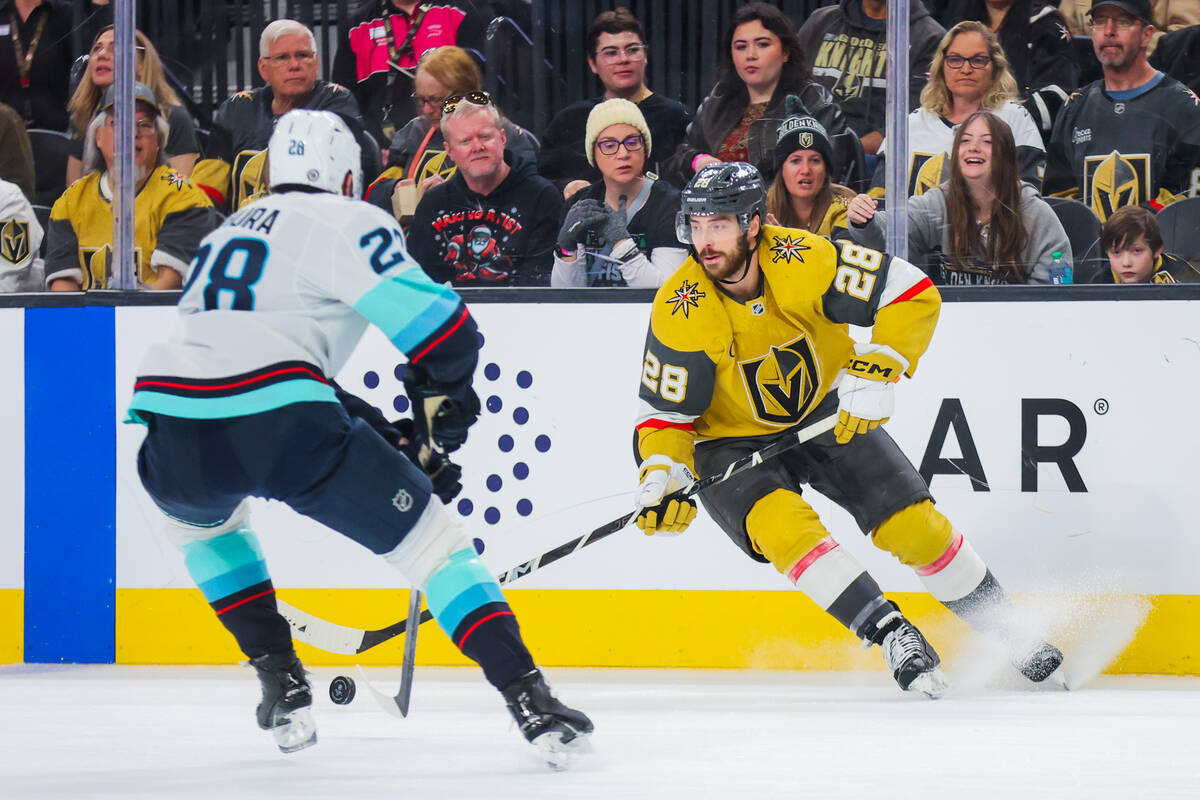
182,150
803,195
761,64
983,225
620,230
416,158
969,73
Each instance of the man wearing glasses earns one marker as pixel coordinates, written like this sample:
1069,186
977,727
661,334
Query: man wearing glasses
232,171
617,56
1132,137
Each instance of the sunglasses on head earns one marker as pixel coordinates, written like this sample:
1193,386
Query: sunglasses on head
477,98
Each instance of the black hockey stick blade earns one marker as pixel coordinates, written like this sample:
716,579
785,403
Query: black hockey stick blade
413,626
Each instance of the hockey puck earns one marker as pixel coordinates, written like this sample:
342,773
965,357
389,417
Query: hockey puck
341,690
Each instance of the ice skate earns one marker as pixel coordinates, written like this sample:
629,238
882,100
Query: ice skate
555,730
286,702
1040,662
913,661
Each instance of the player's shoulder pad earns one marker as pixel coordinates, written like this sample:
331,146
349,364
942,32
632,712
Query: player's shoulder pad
801,262
687,314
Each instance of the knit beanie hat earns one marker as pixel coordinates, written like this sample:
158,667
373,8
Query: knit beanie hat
614,112
801,131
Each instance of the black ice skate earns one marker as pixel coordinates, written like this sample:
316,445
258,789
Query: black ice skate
286,700
1040,661
913,661
544,721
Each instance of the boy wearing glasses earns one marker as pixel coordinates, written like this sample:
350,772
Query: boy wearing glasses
1132,137
617,52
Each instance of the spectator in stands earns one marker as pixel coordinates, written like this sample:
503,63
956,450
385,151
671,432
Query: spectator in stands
231,171
848,54
983,225
183,149
1040,57
1133,136
417,159
381,47
20,240
617,55
969,73
35,61
494,222
16,154
1178,55
761,63
1134,244
1166,16
171,215
803,195
620,230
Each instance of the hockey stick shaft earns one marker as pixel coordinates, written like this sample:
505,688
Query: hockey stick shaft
342,639
413,624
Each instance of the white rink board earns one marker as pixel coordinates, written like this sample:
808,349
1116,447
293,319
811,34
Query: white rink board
12,442
1131,531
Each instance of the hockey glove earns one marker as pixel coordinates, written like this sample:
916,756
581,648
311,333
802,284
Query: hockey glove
865,398
585,217
661,509
443,419
444,474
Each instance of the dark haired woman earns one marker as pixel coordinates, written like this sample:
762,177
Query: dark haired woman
982,225
761,64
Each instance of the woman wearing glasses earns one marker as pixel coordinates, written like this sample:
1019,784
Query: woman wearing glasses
182,148
620,230
761,64
969,73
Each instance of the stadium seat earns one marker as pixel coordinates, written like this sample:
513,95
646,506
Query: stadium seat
1092,266
50,152
850,167
1180,223
43,217
202,135
1083,231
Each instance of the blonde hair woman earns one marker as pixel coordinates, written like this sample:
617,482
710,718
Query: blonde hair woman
969,73
182,148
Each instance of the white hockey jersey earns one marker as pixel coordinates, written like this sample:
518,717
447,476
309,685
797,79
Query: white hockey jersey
21,268
930,138
275,301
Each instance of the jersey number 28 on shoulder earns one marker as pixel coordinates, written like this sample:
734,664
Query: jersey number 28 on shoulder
673,383
856,270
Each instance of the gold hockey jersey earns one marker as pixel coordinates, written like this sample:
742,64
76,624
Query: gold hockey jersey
715,367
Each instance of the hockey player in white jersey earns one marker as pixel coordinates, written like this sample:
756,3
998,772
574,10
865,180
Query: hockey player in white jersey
240,402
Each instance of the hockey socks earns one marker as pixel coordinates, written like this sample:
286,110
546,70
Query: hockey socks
467,603
232,575
834,580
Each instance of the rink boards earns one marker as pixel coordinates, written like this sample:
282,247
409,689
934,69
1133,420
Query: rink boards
1060,437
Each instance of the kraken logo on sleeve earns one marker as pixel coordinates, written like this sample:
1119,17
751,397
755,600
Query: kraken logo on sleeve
783,384
14,241
1115,180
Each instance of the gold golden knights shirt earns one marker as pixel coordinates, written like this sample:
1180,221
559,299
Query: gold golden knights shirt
715,367
171,216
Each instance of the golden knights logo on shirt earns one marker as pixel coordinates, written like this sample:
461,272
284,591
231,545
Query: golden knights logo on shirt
14,241
96,260
925,172
783,384
249,177
1114,181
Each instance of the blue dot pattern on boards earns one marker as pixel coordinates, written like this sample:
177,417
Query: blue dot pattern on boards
465,507
524,507
492,515
371,380
494,483
399,372
494,404
505,443
521,470
491,372
478,543
542,443
479,338
520,415
524,379
400,403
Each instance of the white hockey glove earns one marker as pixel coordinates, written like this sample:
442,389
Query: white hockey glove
865,398
660,512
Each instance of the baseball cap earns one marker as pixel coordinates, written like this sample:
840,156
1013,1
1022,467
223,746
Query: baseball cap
141,94
1135,8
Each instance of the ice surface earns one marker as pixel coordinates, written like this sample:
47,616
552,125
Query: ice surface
189,732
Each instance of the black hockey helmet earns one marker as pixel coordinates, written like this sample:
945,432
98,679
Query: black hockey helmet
732,187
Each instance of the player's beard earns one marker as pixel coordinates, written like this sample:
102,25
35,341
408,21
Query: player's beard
733,266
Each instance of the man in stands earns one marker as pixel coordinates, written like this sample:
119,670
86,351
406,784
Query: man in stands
1132,137
232,170
617,56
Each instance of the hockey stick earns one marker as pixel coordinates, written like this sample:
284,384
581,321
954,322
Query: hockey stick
334,638
410,651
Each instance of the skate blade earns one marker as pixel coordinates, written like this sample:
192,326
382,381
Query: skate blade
557,754
296,732
933,684
1058,679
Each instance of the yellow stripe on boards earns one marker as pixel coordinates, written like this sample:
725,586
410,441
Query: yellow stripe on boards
596,628
12,626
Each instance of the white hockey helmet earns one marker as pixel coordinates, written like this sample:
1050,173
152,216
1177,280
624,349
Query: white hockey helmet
317,149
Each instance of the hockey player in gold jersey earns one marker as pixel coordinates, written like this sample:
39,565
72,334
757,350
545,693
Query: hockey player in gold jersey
748,341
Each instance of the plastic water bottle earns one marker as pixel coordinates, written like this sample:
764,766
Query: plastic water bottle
1060,271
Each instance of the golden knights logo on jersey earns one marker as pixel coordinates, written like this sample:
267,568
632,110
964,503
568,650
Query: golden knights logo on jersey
783,384
1114,181
925,172
14,241
95,261
249,177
